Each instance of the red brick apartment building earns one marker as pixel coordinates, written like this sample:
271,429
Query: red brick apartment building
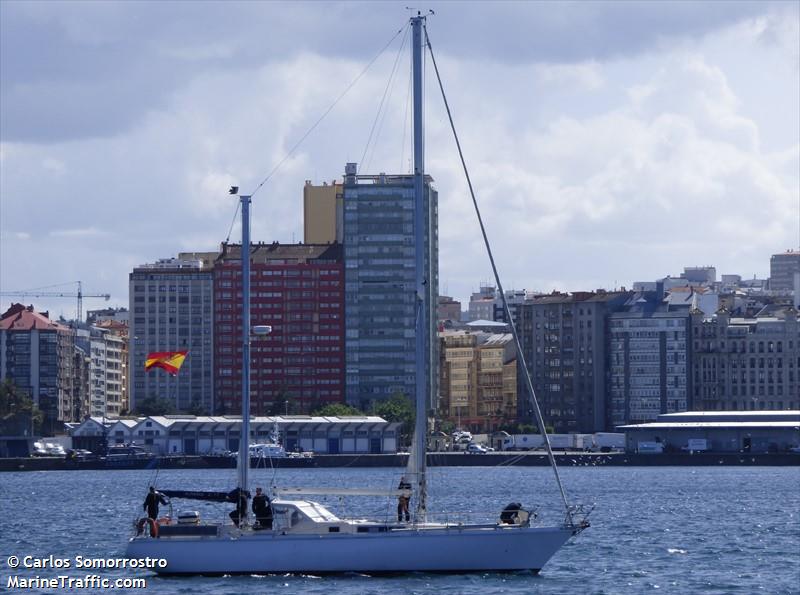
298,289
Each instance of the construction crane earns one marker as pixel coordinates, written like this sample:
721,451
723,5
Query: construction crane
38,293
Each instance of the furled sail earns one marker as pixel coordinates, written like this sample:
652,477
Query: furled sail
205,496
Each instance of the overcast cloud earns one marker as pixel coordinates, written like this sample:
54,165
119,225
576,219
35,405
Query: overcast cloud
608,142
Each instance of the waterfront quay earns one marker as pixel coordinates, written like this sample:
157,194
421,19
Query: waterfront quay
435,459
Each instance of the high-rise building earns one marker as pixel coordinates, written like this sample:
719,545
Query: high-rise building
171,309
37,354
746,363
380,284
298,290
649,358
322,213
783,268
563,338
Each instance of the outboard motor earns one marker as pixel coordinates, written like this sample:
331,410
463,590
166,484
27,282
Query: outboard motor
514,514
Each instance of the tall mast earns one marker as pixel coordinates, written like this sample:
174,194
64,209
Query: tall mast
422,300
244,438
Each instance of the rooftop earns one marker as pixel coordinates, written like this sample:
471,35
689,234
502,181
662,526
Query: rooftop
25,318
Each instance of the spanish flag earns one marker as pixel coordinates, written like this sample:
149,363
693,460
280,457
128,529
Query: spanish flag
171,361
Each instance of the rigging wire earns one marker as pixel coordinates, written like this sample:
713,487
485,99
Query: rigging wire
506,309
325,113
405,120
233,222
382,102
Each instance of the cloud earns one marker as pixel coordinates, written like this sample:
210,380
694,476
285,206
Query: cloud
106,65
585,75
84,233
609,157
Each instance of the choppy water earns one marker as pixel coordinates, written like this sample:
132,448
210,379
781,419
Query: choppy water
671,530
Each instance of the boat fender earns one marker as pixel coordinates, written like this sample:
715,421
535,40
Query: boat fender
147,521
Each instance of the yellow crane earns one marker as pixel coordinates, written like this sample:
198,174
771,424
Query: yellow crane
37,292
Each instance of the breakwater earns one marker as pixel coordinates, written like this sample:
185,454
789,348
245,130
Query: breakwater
435,459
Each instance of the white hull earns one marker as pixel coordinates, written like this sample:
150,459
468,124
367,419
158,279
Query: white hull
453,549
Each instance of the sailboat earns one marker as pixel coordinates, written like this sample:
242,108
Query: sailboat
307,537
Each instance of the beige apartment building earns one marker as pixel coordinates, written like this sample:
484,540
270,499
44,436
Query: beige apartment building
478,380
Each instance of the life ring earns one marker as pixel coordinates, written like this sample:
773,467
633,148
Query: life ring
153,526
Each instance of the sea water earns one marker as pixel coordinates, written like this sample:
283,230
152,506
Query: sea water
663,530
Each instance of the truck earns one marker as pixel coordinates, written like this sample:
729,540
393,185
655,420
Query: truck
522,441
562,441
608,441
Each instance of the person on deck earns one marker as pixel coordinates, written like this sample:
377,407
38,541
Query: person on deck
239,513
262,510
151,503
403,501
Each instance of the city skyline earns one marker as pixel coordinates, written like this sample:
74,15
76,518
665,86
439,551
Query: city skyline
639,139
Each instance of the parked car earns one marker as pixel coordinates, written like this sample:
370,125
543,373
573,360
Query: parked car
476,449
39,450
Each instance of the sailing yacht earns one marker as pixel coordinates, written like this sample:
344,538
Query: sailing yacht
307,537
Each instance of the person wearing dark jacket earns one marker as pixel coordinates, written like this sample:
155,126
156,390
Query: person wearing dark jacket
151,503
262,510
239,513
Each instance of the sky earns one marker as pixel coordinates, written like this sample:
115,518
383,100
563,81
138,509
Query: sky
608,142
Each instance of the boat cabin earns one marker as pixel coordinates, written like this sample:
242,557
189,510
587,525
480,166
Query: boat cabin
305,516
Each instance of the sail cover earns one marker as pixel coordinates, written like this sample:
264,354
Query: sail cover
205,496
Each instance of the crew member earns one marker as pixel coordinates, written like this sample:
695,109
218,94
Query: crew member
403,501
151,503
238,514
262,510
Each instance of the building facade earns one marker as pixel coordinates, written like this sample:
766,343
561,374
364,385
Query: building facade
81,391
746,364
478,380
783,268
37,354
171,309
298,290
380,285
201,435
448,309
322,213
563,338
482,304
106,348
649,360
725,431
